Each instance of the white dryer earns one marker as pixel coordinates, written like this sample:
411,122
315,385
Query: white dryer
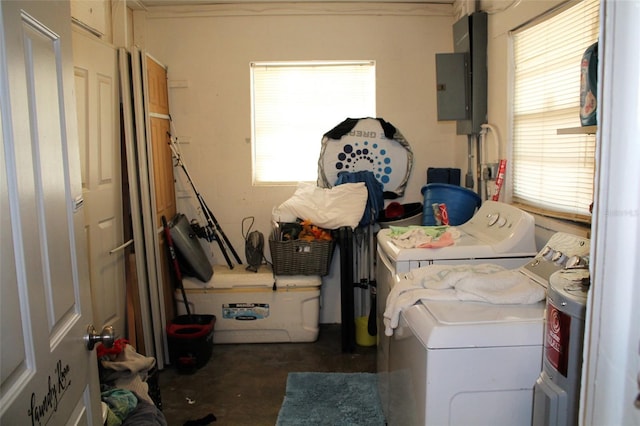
498,233
462,363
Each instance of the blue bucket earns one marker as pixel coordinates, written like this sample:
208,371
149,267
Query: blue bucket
461,203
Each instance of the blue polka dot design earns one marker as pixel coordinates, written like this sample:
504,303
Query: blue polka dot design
354,155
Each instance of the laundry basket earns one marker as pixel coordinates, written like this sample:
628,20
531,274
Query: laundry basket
461,203
301,257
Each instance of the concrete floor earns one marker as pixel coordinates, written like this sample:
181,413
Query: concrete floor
244,384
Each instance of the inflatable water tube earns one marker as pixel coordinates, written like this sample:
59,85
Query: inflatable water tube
366,144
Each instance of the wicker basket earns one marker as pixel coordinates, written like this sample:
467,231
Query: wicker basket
301,257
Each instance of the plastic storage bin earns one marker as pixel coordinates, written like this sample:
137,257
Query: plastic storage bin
461,203
256,307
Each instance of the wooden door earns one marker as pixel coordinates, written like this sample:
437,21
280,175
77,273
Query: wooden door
162,167
153,173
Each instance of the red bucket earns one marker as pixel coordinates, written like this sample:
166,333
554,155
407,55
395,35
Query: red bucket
190,341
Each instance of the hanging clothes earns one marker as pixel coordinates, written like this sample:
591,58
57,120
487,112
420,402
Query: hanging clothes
375,198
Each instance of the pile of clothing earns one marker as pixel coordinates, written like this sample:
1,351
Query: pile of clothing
423,236
124,388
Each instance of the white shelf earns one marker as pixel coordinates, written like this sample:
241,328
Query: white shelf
578,130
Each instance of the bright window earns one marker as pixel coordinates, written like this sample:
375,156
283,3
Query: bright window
294,104
553,173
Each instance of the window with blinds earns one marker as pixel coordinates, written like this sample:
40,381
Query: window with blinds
553,173
294,104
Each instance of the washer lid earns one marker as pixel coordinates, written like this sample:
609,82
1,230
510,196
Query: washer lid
466,247
457,324
456,313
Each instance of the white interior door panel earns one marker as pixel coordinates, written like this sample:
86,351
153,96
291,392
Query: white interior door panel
47,376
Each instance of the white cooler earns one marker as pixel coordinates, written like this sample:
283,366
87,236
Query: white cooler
255,307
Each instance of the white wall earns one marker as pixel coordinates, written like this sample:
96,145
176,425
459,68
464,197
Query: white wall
208,51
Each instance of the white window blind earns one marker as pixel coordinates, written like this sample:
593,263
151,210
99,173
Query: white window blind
294,104
553,173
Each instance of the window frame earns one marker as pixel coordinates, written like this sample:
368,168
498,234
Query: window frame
576,133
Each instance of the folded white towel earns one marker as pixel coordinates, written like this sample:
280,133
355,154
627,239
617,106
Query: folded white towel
483,283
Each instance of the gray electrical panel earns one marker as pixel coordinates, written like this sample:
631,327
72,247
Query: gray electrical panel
453,97
462,76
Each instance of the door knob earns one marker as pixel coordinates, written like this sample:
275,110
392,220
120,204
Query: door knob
92,337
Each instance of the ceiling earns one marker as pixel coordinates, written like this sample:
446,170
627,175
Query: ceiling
152,3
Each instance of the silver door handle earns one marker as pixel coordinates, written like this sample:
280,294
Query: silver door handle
107,337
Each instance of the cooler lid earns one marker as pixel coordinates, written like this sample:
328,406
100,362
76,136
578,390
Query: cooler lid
298,281
223,277
457,324
239,277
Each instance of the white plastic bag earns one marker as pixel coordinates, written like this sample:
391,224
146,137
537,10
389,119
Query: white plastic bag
329,208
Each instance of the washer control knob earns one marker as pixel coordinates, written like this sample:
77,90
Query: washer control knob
559,258
502,221
547,252
493,218
576,262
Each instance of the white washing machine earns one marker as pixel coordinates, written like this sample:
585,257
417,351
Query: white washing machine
498,233
473,363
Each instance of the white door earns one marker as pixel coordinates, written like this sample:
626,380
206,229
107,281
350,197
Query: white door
611,366
97,105
47,374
